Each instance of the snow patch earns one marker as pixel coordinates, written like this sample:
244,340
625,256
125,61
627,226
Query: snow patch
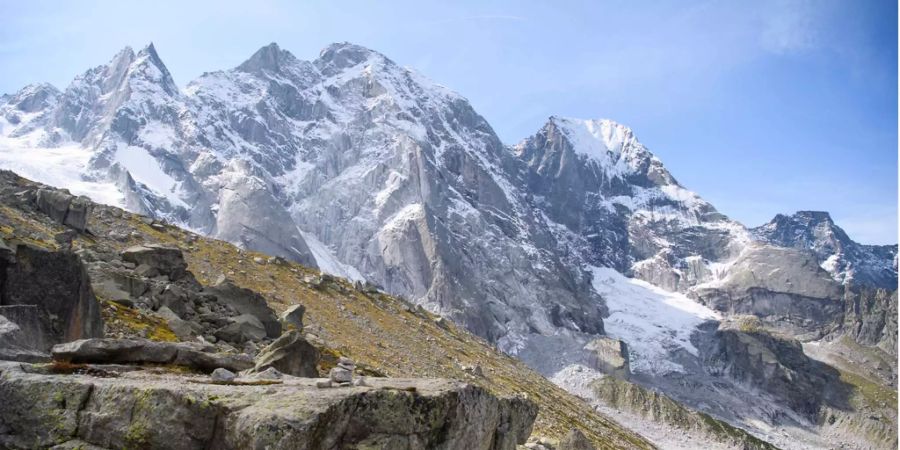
158,135
653,322
145,169
577,379
58,166
326,260
831,264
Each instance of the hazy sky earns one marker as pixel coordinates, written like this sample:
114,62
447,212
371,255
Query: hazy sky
759,106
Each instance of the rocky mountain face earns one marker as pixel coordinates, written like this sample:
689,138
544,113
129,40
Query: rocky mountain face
369,171
348,162
846,260
208,345
615,204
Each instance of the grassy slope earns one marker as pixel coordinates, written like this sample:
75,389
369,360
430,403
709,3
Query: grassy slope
377,330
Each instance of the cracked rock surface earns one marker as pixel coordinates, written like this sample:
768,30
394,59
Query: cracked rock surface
166,411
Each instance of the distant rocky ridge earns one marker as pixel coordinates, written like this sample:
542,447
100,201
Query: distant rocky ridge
846,260
369,170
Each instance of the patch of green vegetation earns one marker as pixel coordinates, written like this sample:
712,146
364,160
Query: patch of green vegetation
749,324
871,393
136,322
729,432
137,436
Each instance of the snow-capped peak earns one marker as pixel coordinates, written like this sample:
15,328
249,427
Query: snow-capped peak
343,55
269,58
148,66
33,97
596,137
611,145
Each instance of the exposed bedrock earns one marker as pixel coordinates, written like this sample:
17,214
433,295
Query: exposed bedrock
139,409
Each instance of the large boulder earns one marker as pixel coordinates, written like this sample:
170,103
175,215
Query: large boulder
64,207
242,328
15,343
575,440
609,356
154,259
292,318
142,351
118,286
181,328
58,285
169,412
245,301
290,354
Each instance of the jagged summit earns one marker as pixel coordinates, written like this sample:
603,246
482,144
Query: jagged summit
807,216
150,50
847,260
126,54
610,149
33,97
268,58
597,138
805,229
149,66
127,67
341,56
151,56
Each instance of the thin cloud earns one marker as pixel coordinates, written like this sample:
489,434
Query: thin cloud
484,17
790,26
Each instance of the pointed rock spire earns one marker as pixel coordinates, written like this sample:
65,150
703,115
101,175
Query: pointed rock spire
149,66
268,58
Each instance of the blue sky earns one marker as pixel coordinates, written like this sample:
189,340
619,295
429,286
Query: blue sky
761,107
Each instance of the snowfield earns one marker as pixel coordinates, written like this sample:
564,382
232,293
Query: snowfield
57,166
653,322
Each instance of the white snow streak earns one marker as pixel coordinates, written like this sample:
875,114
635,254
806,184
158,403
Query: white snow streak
652,321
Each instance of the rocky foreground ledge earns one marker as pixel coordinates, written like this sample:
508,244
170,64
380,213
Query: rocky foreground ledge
110,406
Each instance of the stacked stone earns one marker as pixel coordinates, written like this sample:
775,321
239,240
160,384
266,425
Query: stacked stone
342,374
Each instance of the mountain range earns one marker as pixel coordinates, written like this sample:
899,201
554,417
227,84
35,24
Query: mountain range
367,170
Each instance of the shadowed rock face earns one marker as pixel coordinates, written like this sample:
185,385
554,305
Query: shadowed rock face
58,285
24,333
293,414
245,301
870,318
779,366
161,260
